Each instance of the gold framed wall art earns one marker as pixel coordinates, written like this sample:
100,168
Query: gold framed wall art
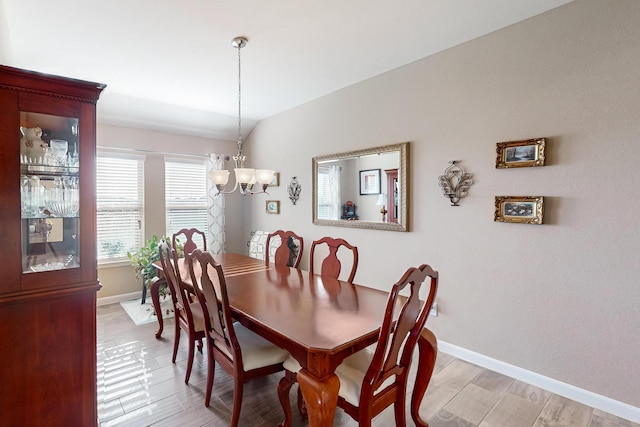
518,154
519,209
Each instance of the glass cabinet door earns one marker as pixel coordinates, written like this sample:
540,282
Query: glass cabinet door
49,191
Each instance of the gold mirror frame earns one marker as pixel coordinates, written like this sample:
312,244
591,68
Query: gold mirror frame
403,192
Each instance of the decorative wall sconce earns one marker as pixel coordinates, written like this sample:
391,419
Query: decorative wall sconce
455,182
294,189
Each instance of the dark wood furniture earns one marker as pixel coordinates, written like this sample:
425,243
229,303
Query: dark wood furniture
289,252
331,265
241,353
392,194
293,309
188,244
427,353
188,314
185,237
49,280
376,379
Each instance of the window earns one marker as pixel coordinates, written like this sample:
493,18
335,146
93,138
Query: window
120,205
185,196
328,192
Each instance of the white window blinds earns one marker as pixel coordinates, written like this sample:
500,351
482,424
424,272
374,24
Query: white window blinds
328,192
120,205
186,196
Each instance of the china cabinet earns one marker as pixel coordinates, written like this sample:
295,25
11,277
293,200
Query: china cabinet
392,194
48,251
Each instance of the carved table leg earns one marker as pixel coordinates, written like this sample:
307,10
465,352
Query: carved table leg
427,352
155,297
321,397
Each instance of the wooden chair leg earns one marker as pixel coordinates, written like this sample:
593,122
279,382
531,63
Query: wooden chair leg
237,400
189,360
176,341
211,369
399,407
284,386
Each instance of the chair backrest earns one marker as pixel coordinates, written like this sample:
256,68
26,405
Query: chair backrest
189,244
289,252
399,334
331,265
168,260
215,303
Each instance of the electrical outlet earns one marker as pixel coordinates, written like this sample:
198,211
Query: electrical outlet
434,310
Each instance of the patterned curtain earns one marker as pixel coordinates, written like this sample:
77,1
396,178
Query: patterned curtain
216,241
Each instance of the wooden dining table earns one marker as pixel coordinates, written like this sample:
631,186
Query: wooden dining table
319,320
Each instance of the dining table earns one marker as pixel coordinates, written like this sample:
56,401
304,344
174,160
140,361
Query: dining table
319,320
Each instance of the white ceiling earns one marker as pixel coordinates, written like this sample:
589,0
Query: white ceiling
169,64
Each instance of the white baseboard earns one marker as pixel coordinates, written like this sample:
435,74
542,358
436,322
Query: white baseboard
585,397
120,298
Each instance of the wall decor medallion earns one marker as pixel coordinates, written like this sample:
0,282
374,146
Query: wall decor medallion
521,209
273,206
518,154
455,182
294,189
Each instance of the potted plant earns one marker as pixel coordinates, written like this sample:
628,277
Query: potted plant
142,261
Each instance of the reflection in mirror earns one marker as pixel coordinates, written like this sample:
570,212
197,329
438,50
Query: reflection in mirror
363,189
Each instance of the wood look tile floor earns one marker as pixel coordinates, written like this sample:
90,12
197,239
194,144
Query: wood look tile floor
139,386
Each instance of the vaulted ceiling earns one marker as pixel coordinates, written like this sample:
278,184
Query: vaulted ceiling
169,64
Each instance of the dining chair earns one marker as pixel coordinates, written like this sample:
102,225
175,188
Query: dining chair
188,313
289,252
243,354
331,265
371,380
189,244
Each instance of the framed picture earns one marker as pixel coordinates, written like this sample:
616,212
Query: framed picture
518,154
273,206
522,209
370,181
275,181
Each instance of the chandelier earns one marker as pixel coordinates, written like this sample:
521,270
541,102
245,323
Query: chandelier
245,177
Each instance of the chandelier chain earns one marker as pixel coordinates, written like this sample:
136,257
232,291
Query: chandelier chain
239,101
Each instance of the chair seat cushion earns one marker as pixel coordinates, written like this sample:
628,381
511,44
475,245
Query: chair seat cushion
291,365
350,372
257,352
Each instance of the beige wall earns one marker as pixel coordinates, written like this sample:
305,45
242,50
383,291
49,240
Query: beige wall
4,35
120,279
560,299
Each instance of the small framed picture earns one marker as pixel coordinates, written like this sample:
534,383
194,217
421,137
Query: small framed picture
275,181
518,154
370,181
273,206
522,209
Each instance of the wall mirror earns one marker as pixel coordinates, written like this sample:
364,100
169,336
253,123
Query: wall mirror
363,189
